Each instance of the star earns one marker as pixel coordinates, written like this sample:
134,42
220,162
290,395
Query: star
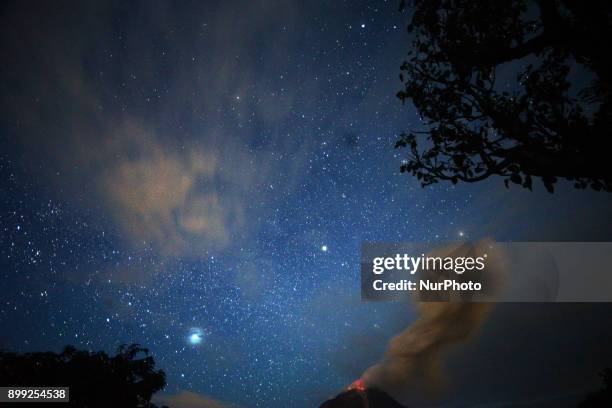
195,336
324,248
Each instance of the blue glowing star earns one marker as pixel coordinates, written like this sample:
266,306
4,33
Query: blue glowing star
195,336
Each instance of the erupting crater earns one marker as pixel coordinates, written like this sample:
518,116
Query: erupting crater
358,385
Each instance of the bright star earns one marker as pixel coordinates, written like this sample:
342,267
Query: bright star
195,336
324,248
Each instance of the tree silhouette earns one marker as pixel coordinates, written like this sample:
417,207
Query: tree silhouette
603,397
512,88
128,379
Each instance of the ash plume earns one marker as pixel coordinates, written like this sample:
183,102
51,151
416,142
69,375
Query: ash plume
415,358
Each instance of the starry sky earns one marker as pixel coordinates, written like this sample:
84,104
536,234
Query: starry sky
198,177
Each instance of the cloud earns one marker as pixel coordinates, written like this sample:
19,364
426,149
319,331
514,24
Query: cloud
188,399
170,199
185,170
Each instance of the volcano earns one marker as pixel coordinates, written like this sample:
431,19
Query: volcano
362,398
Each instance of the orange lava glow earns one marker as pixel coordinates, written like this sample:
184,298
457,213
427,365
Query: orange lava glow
358,385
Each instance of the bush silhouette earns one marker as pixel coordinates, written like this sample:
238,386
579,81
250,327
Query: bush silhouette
128,379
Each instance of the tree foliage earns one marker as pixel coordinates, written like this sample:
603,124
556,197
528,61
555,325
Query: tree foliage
128,379
602,397
511,88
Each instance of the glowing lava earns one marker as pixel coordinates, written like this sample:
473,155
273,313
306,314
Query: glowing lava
358,385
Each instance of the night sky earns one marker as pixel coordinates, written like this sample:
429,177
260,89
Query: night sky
198,178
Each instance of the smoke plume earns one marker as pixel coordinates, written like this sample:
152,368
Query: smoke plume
415,358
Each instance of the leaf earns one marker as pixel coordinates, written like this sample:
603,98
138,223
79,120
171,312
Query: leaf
549,186
527,183
515,178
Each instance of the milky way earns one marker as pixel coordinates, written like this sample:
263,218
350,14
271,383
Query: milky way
199,179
